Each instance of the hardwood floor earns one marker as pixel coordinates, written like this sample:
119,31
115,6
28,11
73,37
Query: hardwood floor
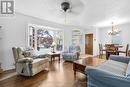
60,75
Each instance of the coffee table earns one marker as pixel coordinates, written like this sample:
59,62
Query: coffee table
79,65
53,55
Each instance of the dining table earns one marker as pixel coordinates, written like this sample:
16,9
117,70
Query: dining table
112,49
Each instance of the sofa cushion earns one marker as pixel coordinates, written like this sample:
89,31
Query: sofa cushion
114,67
39,61
128,69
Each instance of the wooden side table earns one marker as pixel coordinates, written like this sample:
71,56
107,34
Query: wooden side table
53,55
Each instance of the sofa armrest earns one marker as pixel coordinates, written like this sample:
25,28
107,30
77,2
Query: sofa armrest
25,60
89,69
98,76
120,58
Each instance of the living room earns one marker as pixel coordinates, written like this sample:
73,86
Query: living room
63,25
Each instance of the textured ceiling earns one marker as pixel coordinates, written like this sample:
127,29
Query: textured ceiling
98,13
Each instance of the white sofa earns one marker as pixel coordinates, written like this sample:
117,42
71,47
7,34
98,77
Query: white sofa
28,66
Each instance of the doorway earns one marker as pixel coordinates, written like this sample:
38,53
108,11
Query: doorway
89,44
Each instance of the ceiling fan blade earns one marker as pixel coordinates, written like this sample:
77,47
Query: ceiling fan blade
78,7
54,3
74,13
58,13
76,2
77,10
56,10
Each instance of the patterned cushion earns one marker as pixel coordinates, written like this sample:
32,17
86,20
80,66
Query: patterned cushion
30,53
26,54
128,69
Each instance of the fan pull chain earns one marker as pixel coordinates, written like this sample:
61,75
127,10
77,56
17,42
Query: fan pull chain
65,17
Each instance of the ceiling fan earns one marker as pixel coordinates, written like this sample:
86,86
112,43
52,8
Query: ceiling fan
67,7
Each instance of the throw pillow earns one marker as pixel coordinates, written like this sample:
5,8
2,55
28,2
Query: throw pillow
30,53
26,54
128,69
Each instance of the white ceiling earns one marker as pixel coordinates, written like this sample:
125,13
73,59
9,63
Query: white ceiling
98,13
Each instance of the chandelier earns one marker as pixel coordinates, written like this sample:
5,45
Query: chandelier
114,31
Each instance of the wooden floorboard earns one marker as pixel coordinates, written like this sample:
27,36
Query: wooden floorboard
60,75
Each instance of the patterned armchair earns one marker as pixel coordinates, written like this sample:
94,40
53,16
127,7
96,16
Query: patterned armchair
27,65
72,54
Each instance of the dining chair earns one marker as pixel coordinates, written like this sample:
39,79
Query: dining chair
101,50
110,50
125,51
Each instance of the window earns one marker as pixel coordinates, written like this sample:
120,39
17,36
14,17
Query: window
43,38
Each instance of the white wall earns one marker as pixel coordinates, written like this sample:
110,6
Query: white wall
67,38
13,33
125,33
101,36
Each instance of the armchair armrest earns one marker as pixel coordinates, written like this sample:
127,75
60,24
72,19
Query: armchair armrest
24,60
106,78
66,53
120,58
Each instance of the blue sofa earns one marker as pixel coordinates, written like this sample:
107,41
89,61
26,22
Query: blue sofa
115,72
